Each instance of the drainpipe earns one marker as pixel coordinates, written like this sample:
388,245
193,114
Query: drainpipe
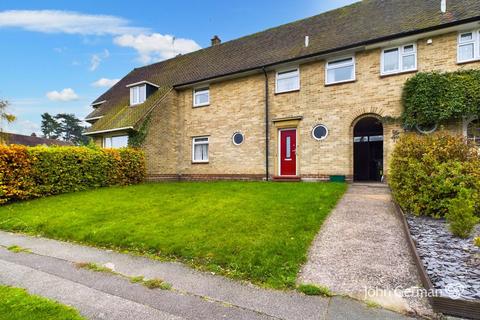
266,124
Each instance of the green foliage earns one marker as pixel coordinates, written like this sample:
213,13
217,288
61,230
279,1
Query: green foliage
313,290
460,216
40,171
476,241
136,138
17,304
434,97
65,126
243,230
427,172
18,249
50,127
156,284
94,267
4,115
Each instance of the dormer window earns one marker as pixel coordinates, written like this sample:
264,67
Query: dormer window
138,94
140,91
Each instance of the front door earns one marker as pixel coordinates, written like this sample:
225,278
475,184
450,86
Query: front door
288,152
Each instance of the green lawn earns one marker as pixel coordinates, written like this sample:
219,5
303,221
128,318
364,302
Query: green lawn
255,231
17,304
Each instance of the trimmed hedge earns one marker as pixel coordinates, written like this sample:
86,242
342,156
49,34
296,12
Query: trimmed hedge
428,172
30,172
433,97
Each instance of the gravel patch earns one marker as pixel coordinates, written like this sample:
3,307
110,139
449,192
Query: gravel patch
453,264
362,251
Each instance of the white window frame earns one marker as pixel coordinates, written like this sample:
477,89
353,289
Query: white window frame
466,123
197,91
327,68
194,143
134,102
284,74
111,137
476,45
401,55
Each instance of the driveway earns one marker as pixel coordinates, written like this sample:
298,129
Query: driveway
50,271
362,252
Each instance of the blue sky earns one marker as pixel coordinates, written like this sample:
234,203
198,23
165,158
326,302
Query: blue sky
59,56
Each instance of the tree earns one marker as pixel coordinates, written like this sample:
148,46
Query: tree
70,128
3,113
50,126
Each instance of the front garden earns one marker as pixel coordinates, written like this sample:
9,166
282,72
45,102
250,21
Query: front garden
256,231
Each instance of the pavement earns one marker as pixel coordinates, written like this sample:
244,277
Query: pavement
362,251
49,269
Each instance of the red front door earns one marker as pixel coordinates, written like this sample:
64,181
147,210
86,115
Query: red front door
288,152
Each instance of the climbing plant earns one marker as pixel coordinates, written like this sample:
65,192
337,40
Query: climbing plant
433,97
136,138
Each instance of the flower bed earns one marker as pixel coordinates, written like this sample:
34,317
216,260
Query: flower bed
452,263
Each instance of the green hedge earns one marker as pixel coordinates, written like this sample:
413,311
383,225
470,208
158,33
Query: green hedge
427,172
432,97
29,172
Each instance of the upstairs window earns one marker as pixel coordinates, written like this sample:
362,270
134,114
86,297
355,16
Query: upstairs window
399,59
341,70
288,80
138,94
115,142
201,97
468,46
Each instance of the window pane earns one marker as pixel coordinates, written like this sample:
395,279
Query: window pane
119,142
390,60
200,152
288,74
333,64
473,131
409,48
340,74
466,37
409,62
107,142
142,94
201,140
288,153
287,84
466,52
202,97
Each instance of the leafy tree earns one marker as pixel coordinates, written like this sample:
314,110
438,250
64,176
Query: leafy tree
70,128
50,126
3,112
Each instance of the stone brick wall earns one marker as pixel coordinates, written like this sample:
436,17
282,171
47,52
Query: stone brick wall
238,105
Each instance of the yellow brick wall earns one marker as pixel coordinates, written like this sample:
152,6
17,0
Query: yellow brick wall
238,105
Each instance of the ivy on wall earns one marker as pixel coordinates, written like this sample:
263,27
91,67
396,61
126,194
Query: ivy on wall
433,97
136,138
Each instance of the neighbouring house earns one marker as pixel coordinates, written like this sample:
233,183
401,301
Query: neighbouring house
30,141
305,100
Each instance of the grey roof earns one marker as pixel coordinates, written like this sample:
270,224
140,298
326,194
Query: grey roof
361,23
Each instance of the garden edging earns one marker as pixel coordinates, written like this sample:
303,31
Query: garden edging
454,307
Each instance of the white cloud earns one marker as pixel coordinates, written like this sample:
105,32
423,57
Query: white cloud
25,127
97,59
57,21
155,46
66,94
104,82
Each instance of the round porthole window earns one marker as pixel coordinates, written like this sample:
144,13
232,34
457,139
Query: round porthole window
238,138
319,132
427,128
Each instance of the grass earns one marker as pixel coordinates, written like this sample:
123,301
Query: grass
94,267
313,290
372,304
17,304
254,231
18,249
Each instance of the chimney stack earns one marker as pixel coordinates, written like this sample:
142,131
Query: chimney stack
443,6
216,40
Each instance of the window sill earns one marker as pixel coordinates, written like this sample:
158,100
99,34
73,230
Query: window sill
339,83
200,162
385,75
289,91
468,61
201,105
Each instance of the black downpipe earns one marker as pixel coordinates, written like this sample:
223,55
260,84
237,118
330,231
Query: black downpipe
266,124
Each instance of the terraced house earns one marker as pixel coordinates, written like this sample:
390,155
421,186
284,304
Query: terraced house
310,99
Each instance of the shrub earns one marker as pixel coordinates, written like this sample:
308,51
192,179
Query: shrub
434,97
460,216
29,172
476,241
427,172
